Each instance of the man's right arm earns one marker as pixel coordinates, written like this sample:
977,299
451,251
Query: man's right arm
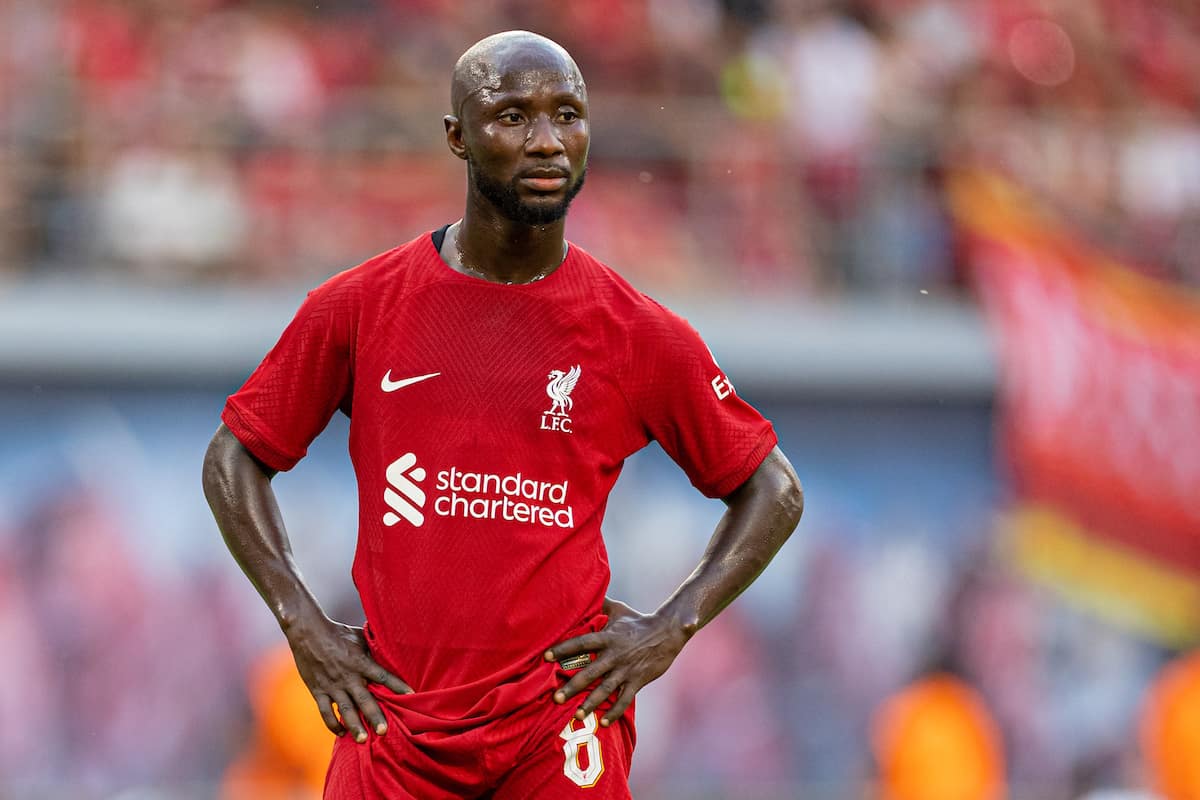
332,658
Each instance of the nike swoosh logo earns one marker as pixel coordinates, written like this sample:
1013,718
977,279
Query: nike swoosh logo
389,385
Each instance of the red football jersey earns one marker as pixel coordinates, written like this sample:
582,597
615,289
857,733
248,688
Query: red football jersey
488,423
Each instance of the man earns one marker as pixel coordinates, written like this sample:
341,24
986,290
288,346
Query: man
496,377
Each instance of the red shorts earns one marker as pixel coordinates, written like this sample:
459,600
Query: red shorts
540,751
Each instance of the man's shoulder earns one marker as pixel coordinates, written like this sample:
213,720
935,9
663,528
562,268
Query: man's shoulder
389,269
642,317
394,264
611,288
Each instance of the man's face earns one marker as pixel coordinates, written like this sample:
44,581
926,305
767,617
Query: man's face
526,139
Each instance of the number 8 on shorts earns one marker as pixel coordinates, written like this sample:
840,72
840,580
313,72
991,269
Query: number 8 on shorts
581,745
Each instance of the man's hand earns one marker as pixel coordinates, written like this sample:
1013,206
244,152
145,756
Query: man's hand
634,649
631,651
335,663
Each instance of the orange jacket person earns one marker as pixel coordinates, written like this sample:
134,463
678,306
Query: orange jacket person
1171,730
935,740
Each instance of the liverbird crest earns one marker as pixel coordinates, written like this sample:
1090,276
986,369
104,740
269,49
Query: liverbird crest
559,389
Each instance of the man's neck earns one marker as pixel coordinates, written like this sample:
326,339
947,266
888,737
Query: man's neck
490,246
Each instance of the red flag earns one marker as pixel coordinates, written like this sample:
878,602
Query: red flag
1099,405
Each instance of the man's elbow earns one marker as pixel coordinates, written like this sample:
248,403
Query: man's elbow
776,485
215,473
228,465
790,499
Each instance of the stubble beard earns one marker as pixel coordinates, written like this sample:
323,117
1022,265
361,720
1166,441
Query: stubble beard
507,200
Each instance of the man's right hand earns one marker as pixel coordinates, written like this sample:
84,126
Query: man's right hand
333,659
335,663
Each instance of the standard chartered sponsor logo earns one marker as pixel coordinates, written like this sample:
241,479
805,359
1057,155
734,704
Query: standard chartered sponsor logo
403,496
516,498
476,495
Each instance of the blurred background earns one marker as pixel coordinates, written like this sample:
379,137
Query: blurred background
948,246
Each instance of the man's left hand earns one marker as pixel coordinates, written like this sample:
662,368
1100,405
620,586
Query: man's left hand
631,651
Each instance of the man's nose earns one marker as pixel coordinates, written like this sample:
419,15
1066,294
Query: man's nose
543,138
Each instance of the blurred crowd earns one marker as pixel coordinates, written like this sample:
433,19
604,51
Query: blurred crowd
792,146
122,676
785,147
138,661
107,658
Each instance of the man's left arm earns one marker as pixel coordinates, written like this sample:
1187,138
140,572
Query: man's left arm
634,649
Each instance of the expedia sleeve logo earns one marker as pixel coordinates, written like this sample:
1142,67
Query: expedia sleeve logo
475,495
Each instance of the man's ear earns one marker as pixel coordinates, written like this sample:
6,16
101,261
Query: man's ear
454,138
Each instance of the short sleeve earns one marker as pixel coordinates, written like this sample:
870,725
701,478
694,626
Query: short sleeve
289,399
689,406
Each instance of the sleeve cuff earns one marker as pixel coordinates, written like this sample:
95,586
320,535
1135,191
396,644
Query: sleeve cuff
259,445
732,480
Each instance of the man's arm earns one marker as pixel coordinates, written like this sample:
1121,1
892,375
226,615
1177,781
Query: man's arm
634,649
332,658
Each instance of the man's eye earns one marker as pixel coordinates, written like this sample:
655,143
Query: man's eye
511,116
568,116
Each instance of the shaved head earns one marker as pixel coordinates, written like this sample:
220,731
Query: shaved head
520,121
484,67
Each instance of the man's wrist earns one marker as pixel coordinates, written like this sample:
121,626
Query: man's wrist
296,613
684,622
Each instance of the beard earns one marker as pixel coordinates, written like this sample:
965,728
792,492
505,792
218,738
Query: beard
505,198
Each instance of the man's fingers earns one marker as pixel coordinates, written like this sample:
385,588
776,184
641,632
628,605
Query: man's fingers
587,643
349,715
607,687
331,720
377,674
581,680
618,708
369,709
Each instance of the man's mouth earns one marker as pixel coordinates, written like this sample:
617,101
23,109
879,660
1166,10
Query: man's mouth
545,184
545,179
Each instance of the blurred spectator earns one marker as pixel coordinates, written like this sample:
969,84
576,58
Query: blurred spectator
936,740
1170,729
287,757
113,652
718,723
170,213
26,682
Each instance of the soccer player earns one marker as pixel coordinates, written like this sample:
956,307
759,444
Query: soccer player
496,378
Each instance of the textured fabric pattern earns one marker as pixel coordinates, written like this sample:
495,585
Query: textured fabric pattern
488,426
516,757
